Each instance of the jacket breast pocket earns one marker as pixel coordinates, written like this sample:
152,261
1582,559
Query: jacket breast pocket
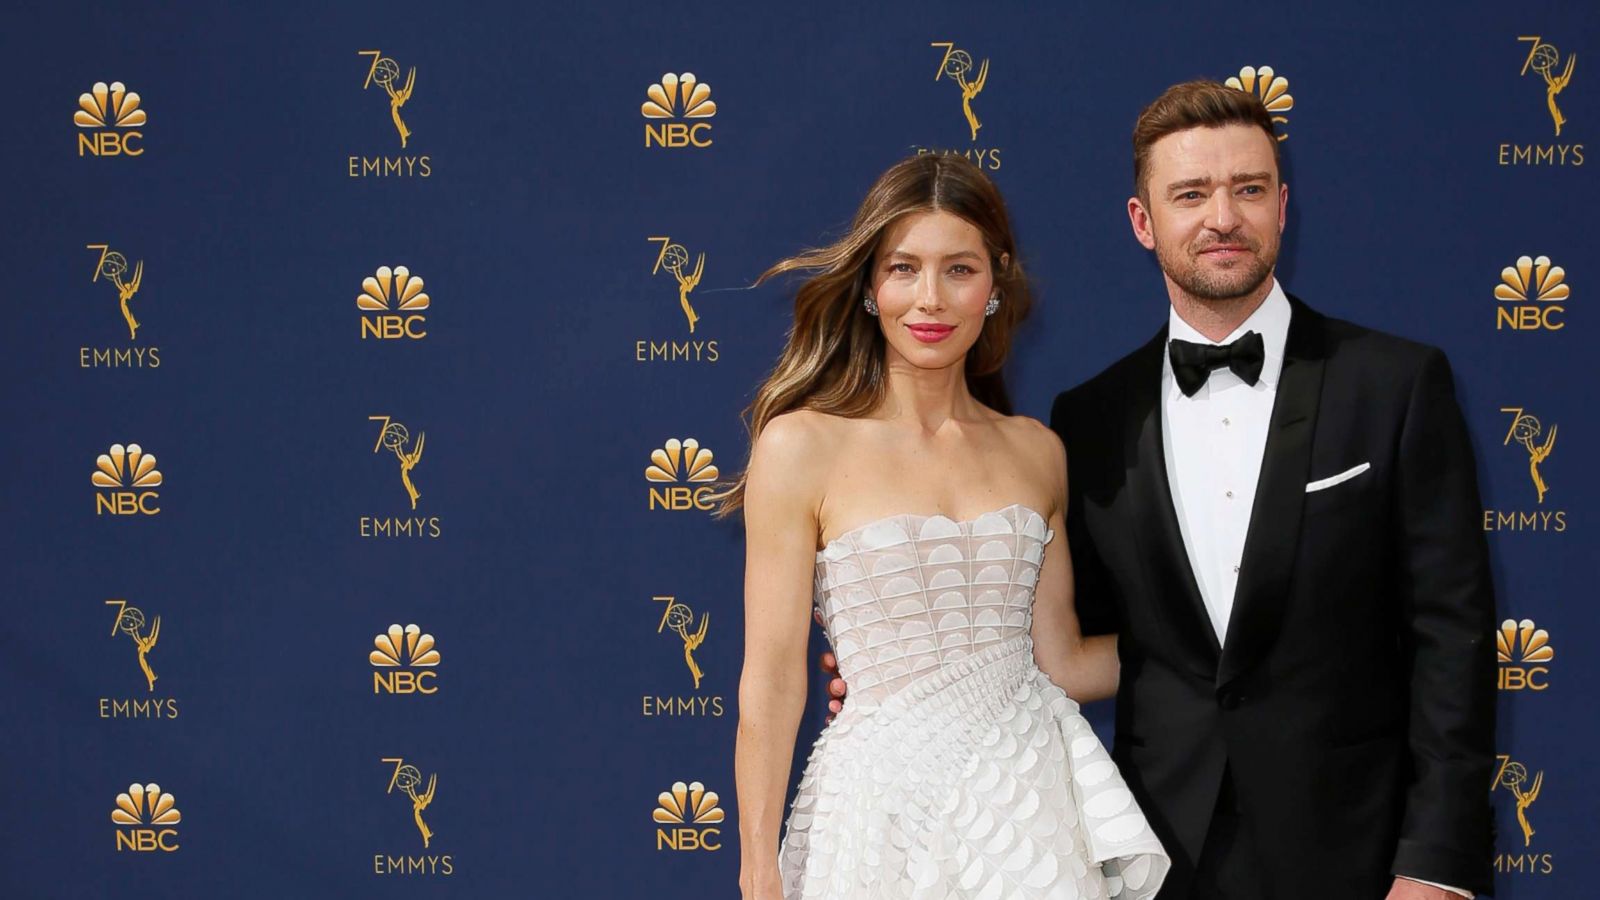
1342,489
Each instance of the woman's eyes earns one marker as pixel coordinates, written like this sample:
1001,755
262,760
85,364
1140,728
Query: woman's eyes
909,269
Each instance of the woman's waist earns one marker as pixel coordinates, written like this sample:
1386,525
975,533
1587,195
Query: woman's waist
994,672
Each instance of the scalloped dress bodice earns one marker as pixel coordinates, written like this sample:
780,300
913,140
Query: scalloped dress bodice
906,595
956,769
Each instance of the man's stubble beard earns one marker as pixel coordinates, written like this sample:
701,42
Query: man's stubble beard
1234,284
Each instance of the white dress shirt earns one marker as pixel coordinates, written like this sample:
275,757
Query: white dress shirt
1214,443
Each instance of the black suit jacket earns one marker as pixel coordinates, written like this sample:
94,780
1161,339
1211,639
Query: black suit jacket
1353,698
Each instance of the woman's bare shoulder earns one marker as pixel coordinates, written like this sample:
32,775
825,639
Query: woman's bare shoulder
798,447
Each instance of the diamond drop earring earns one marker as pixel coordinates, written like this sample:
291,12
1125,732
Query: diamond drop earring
870,304
993,304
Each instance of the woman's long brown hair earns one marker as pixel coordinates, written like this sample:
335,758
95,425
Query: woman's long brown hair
834,361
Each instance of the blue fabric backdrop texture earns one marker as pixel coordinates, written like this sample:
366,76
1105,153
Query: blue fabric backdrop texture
326,321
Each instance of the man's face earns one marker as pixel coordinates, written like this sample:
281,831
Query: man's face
1213,211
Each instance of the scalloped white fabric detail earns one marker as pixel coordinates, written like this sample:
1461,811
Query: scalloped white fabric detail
957,770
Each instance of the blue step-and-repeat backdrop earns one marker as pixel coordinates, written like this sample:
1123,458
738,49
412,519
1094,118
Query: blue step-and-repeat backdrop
366,369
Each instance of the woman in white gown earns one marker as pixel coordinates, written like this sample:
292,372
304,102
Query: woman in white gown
890,489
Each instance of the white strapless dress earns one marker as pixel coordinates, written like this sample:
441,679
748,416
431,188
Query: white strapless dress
957,769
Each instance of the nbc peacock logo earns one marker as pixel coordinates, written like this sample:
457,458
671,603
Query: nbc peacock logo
674,98
145,817
404,661
391,302
125,477
1524,652
1272,88
1532,296
686,817
107,118
681,476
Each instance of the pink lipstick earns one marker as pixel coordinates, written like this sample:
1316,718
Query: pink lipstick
930,332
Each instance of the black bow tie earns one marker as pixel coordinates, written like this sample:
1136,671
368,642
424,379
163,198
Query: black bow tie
1193,363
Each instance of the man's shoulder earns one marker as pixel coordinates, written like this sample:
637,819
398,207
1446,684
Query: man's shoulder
1112,382
1380,353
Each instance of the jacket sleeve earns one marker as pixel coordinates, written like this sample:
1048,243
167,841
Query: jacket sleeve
1092,584
1449,621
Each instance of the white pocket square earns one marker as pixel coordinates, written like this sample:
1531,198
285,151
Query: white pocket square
1340,478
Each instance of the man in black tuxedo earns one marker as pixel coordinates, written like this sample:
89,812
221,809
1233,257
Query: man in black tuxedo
1277,514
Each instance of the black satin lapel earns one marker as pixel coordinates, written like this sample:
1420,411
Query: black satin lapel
1274,537
1176,592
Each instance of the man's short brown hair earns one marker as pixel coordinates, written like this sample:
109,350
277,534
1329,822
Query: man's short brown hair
1194,104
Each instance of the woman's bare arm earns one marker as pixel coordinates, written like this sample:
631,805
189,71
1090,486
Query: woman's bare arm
1086,668
782,497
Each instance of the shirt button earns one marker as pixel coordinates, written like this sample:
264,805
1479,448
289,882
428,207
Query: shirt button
1227,421
1230,495
1235,570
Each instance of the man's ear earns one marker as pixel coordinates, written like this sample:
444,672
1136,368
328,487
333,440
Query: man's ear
1139,218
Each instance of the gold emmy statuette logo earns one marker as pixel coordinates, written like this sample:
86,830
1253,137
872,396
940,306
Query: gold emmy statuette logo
398,651
124,475
1532,296
1514,778
130,621
108,114
689,811
1526,430
385,72
673,258
393,436
407,778
678,617
1522,650
398,299
957,66
145,816
678,97
397,439
1546,60
1538,442
113,267
1272,88
675,466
